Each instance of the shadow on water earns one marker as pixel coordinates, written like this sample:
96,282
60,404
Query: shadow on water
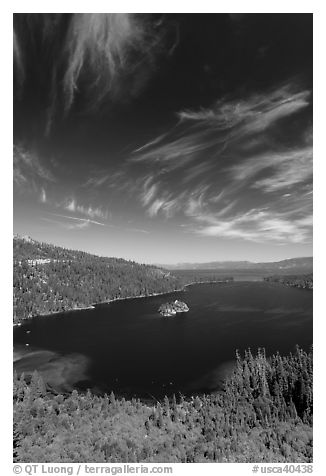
62,373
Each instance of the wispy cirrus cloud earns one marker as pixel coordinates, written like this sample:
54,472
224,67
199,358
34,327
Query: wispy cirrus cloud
282,170
43,198
296,168
112,46
254,113
90,211
237,170
96,55
71,222
228,127
260,225
32,176
18,61
29,173
67,225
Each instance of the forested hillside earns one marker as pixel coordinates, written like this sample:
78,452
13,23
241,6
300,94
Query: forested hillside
51,279
190,276
264,414
298,281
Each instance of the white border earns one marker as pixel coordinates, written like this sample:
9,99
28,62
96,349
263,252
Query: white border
316,7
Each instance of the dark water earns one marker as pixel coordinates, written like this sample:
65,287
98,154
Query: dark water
128,347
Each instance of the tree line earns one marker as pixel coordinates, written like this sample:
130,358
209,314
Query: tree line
201,276
304,281
264,414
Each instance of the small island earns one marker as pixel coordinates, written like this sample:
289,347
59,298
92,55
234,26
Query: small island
172,308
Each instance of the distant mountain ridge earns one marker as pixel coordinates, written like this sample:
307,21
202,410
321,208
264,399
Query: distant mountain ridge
305,264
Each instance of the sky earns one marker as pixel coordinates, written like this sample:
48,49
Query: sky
165,138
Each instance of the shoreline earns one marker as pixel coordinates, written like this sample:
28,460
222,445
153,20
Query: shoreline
209,282
93,306
141,296
19,323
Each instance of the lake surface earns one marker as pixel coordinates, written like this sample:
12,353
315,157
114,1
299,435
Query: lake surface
127,347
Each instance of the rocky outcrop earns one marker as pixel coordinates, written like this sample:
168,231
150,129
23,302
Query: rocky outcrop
172,308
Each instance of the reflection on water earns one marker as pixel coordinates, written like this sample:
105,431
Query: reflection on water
61,372
213,379
129,348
